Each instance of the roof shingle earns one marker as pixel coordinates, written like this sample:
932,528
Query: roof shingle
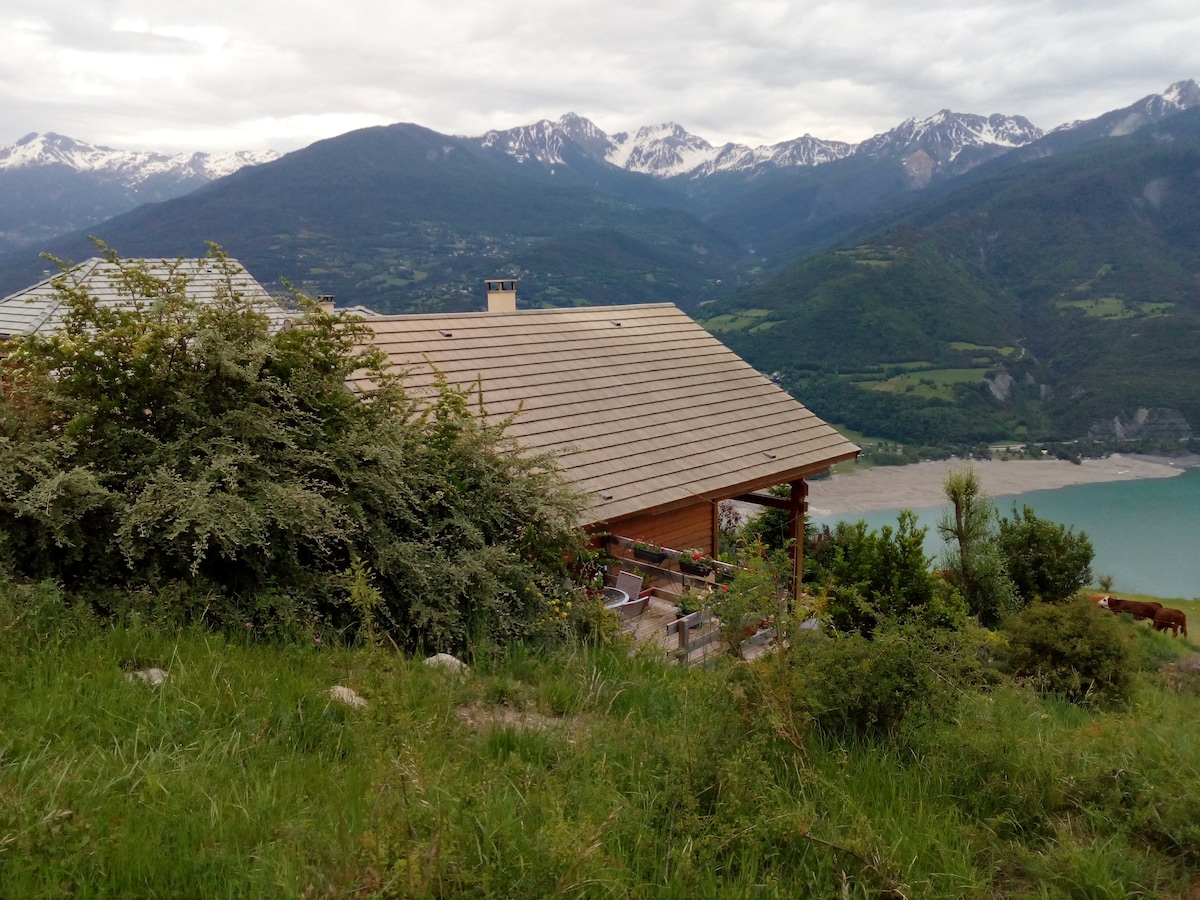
38,308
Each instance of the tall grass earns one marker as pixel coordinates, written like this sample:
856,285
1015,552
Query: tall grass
588,772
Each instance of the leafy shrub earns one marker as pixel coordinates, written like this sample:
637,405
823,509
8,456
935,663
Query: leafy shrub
1072,650
756,594
872,574
972,556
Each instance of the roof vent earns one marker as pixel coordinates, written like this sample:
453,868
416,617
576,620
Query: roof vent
501,295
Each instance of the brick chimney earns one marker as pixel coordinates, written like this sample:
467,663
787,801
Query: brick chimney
501,294
325,302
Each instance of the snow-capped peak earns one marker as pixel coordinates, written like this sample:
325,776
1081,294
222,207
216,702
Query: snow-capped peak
1182,95
662,150
944,135
668,149
128,167
545,141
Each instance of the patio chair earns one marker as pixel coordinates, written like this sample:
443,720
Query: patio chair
629,583
633,608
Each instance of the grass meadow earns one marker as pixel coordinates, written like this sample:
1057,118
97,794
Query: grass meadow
589,771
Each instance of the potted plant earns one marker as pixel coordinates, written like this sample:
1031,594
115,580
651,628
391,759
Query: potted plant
694,562
648,552
690,602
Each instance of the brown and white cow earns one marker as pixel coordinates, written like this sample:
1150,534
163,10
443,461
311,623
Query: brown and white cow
1135,608
1171,618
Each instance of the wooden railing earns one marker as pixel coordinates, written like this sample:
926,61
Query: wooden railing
660,569
681,630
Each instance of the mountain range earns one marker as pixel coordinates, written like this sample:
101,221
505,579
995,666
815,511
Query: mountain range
51,184
97,183
956,243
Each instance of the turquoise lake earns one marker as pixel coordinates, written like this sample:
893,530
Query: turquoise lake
1146,532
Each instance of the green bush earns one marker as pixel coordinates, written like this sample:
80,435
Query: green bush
1072,650
972,556
182,445
850,686
1045,560
869,575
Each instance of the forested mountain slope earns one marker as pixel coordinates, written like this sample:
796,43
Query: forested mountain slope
1048,298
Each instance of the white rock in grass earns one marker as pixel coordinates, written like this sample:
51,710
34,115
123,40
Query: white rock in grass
448,662
347,696
150,676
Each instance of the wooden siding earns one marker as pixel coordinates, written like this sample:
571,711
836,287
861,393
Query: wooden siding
692,527
646,410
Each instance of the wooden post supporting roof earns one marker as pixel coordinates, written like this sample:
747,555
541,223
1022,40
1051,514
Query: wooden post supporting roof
798,510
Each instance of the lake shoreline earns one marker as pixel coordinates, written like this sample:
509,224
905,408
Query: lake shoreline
919,485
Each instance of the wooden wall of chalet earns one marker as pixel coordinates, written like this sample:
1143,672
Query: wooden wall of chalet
692,527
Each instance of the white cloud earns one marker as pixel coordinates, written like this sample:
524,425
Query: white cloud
251,75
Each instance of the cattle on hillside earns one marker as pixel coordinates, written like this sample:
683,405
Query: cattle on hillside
1135,608
1171,618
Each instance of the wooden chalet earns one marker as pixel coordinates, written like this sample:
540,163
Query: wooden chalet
650,415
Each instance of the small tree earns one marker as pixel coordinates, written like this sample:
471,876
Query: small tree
973,558
757,593
1045,560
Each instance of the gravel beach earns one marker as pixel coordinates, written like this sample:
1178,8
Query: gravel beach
919,486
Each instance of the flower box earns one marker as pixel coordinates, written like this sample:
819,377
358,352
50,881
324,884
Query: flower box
647,552
693,562
649,555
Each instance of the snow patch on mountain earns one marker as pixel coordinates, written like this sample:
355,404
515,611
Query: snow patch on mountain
662,150
667,150
1182,95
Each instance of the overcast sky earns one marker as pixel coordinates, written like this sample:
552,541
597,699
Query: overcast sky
258,74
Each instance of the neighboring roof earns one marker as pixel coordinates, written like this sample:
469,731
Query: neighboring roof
37,308
647,410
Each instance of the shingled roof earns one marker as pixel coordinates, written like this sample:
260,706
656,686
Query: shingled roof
38,308
647,410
